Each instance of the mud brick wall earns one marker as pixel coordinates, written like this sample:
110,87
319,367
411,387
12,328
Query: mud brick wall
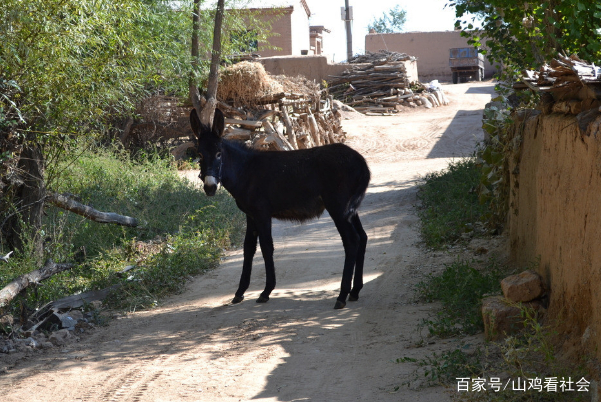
555,215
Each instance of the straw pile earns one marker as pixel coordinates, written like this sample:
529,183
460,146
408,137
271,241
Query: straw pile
244,82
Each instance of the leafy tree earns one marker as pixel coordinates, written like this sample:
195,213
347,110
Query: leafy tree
524,34
71,68
391,21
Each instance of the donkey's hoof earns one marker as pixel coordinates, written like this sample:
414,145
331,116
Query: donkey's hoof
339,305
262,299
237,299
352,297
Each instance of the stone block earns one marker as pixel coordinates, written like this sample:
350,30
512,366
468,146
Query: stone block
522,287
500,318
62,337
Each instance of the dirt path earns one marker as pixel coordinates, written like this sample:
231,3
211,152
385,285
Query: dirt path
296,347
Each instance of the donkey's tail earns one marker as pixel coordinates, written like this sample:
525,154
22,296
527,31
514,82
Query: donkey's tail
353,206
357,198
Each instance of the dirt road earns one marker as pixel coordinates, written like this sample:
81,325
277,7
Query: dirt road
296,347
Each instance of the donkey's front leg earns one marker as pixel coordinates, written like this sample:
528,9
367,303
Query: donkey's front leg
266,243
250,247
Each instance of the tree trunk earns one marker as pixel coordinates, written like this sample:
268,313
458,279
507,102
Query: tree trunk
25,224
207,110
195,52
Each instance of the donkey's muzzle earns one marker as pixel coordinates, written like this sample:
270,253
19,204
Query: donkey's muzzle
210,185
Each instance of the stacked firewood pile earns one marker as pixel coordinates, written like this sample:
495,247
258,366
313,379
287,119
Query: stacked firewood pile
379,84
275,112
572,85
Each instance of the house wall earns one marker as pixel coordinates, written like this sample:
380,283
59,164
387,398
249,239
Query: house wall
315,67
281,27
300,31
555,221
430,48
290,26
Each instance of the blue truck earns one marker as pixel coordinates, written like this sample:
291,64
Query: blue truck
466,63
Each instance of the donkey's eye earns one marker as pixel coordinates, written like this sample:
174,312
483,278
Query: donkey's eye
218,155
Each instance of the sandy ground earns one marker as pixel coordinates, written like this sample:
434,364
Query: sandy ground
296,347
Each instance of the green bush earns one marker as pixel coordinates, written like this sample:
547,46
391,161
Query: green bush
182,232
459,288
449,205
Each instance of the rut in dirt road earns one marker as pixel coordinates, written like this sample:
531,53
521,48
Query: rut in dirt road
199,347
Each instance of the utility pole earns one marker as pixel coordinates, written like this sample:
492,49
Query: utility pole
348,16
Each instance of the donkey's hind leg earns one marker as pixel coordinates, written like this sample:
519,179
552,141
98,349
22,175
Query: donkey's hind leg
266,243
358,277
250,248
350,241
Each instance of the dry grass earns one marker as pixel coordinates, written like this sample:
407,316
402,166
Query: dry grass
244,82
298,85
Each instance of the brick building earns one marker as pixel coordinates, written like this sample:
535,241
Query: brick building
292,34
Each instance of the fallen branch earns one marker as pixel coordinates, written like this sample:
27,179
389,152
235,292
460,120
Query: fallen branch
67,203
22,282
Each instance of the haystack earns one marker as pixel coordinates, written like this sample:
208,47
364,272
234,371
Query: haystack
244,82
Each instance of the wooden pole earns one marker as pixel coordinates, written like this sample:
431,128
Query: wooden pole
349,32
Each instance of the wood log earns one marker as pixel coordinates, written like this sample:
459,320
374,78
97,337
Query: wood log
268,113
158,130
230,111
279,129
304,140
88,212
314,129
179,151
328,129
245,123
430,96
378,114
78,300
237,134
281,142
288,124
265,142
15,287
427,104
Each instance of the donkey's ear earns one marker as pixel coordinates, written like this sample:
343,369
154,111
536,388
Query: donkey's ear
218,123
195,122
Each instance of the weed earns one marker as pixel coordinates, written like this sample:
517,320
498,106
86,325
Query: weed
182,231
449,207
531,357
443,368
459,288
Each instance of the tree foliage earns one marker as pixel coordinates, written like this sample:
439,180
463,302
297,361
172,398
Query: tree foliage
75,62
524,34
71,68
391,21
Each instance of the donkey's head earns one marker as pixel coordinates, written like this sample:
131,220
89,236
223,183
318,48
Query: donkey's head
209,149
